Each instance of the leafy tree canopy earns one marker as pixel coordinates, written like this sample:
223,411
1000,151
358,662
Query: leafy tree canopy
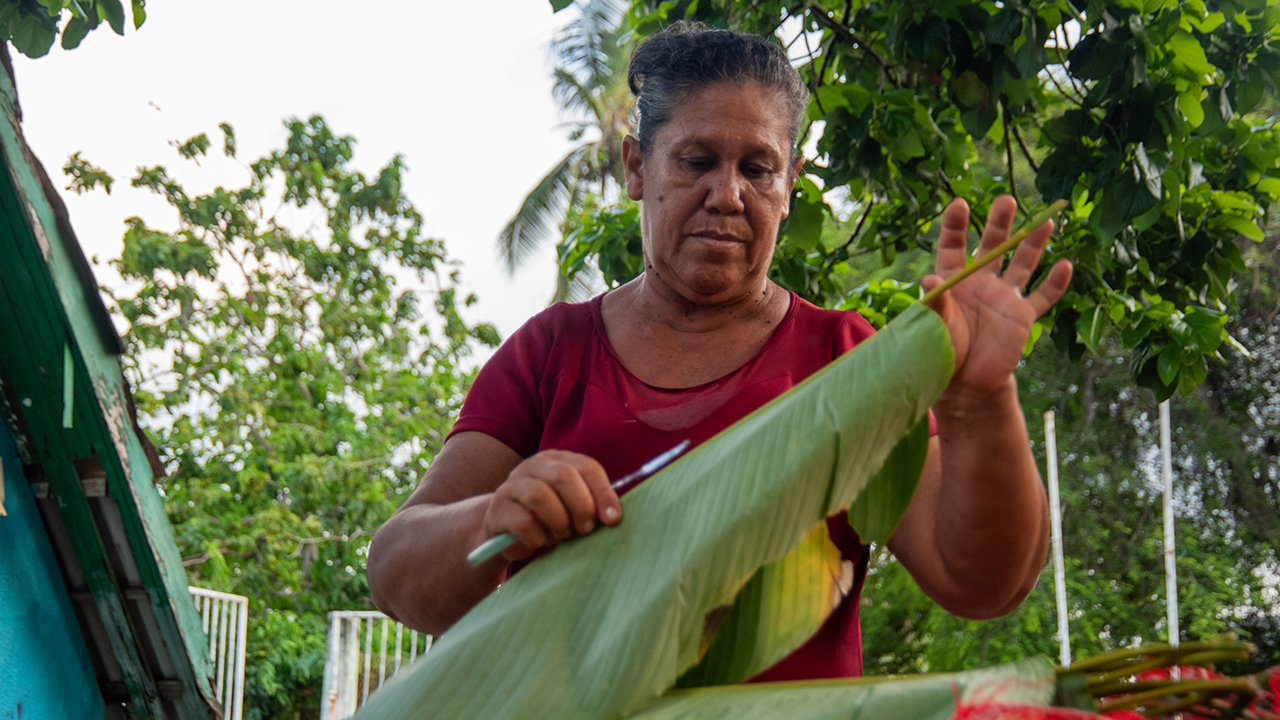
32,25
295,377
1139,113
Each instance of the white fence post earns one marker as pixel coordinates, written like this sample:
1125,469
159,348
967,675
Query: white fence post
226,622
365,649
1170,546
1055,531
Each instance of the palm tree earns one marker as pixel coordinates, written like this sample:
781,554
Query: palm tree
591,55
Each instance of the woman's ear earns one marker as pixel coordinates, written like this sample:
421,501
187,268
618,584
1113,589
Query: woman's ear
633,167
791,184
796,167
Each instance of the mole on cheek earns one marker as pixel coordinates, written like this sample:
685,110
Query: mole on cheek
661,197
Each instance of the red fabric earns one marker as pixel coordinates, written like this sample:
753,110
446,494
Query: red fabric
1010,711
1264,706
558,384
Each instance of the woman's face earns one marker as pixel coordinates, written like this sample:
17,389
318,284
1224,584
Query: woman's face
716,184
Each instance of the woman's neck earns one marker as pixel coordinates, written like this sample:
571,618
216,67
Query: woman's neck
650,301
668,341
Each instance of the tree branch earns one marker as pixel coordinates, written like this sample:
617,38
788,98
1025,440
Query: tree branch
857,228
827,55
1008,152
1026,152
1079,101
195,560
1062,58
845,32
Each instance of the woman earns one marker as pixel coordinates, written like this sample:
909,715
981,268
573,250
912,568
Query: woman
590,391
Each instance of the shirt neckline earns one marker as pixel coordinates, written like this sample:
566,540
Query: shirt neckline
602,337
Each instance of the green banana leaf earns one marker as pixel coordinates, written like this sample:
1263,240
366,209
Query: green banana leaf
876,512
782,605
786,601
917,697
606,624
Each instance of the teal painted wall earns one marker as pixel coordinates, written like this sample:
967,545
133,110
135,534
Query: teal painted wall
46,670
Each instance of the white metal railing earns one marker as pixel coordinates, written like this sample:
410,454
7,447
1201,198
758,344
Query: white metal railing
225,619
365,648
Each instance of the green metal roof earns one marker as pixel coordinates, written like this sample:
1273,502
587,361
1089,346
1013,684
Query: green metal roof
88,462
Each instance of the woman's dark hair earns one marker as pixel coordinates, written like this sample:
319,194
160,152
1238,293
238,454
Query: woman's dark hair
688,56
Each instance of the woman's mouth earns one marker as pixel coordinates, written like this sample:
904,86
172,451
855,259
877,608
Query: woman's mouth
718,240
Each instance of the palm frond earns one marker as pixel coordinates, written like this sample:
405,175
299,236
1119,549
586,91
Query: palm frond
575,97
590,56
589,45
539,213
582,286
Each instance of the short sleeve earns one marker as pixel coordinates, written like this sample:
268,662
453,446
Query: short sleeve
852,330
505,399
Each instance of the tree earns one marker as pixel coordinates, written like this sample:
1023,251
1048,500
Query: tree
32,25
295,382
1136,112
591,55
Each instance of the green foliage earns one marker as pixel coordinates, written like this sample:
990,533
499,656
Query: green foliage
85,176
607,236
295,382
32,25
1016,688
590,55
195,147
1138,113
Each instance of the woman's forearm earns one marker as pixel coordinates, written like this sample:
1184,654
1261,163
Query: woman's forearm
975,535
418,572
991,520
477,487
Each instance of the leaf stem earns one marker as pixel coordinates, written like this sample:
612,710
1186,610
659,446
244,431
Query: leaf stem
1127,656
1201,690
996,252
1156,661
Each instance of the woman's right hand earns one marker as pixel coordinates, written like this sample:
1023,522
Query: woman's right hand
548,498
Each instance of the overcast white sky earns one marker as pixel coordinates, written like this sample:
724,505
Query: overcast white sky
461,90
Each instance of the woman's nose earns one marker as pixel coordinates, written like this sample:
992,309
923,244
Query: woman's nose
725,191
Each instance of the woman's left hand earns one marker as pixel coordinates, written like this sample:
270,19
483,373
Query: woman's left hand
987,314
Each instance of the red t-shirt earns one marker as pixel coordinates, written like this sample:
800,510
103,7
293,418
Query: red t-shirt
557,384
